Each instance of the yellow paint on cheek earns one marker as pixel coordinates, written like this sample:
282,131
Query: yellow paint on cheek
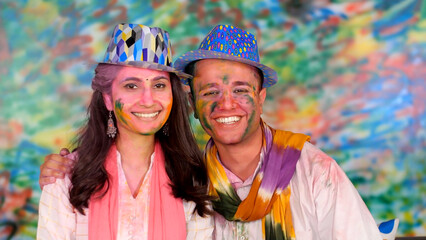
168,110
198,106
121,115
201,108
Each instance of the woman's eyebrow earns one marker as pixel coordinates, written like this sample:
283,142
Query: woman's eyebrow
131,79
159,78
140,80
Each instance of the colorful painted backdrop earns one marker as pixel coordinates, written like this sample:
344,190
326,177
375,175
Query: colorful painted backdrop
352,75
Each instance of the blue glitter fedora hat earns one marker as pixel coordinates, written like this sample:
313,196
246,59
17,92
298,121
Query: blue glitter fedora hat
141,46
230,43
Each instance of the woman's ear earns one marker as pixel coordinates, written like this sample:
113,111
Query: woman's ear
108,101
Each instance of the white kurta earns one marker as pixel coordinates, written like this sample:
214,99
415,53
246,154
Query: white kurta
324,203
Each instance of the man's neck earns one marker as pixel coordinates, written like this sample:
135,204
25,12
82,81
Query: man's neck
242,158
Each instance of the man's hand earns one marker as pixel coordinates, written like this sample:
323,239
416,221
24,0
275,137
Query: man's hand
55,166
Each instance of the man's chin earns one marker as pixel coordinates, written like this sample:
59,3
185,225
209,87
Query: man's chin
227,139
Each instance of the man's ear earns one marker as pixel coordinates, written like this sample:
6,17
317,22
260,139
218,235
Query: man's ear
108,101
191,101
262,97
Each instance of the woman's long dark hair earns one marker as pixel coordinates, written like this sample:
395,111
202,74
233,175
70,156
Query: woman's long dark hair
183,160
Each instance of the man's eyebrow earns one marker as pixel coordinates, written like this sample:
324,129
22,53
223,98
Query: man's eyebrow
241,83
208,85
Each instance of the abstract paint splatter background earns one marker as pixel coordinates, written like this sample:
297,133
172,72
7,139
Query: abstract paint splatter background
352,75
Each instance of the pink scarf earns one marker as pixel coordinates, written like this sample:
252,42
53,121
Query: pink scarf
166,215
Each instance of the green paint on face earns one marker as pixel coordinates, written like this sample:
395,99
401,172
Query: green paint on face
251,100
201,107
204,122
249,124
225,79
252,115
147,134
119,111
213,106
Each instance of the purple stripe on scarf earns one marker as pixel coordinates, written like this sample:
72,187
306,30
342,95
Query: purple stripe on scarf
291,157
279,164
269,181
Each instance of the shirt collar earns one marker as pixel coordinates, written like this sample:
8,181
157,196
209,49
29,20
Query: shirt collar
237,182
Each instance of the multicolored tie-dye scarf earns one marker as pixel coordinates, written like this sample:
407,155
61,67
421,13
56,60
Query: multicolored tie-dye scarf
269,194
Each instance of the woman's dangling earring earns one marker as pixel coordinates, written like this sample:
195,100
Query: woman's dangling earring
111,130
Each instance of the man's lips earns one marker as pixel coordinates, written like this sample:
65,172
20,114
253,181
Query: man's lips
228,120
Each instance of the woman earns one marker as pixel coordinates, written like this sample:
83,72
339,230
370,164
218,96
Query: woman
137,158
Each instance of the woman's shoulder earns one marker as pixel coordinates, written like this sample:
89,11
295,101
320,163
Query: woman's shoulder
197,227
60,186
189,207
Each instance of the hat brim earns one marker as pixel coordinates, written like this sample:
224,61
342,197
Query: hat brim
153,66
269,74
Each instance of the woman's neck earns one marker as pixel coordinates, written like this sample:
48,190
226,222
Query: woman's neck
135,150
135,158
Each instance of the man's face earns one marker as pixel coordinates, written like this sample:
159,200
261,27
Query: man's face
227,99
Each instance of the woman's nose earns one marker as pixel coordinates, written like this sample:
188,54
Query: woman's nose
146,98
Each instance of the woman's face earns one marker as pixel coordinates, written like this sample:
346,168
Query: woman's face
141,100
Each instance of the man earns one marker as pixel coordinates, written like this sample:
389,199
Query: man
268,184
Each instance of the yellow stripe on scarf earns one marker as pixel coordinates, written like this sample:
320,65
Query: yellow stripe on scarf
281,212
217,174
246,211
289,139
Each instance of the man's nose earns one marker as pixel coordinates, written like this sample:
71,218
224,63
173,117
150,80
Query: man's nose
227,101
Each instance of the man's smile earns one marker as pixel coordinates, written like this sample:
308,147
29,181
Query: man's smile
228,120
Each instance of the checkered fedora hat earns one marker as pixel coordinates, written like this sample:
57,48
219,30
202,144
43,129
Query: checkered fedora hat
141,46
230,43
